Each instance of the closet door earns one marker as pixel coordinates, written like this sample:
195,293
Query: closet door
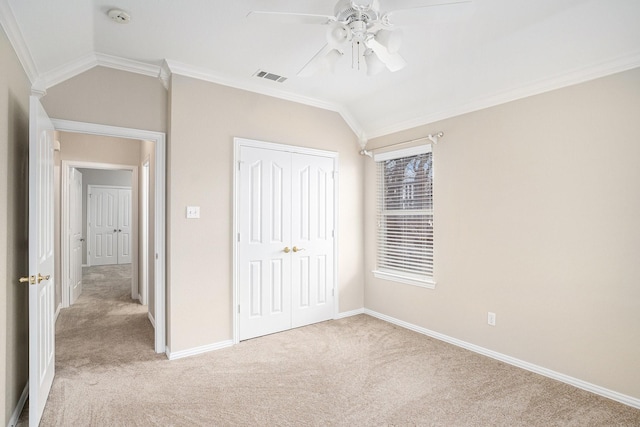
264,258
104,226
312,229
286,240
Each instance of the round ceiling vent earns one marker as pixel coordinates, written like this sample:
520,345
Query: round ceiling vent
120,16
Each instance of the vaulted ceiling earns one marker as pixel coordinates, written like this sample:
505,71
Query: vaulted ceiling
460,57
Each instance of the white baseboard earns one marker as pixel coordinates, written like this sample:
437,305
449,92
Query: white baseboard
198,350
349,313
13,421
151,319
610,394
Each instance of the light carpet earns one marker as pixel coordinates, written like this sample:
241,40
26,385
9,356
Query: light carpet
358,371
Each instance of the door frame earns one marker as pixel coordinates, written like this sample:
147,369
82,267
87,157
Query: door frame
66,166
143,212
65,229
159,140
238,143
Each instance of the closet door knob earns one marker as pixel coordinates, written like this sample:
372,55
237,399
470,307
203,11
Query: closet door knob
287,250
297,249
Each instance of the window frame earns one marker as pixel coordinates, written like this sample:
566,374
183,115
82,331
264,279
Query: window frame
405,277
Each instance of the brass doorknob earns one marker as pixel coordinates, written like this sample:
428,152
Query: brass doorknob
29,279
287,250
32,279
297,249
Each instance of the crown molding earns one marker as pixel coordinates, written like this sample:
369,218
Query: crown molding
91,60
129,65
12,30
67,71
174,67
573,77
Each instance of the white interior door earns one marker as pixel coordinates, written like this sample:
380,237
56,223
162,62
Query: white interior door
265,242
312,224
41,261
286,240
75,235
103,226
124,226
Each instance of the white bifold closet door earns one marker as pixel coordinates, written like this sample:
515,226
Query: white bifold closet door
110,225
286,240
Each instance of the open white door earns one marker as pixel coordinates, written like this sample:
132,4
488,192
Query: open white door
124,226
41,261
75,235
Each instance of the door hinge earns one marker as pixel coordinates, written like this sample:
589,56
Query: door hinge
333,233
238,308
239,164
238,237
333,292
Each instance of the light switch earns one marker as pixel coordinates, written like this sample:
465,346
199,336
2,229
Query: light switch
193,211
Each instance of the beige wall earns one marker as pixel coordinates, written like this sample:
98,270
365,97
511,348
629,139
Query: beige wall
536,219
204,119
14,136
110,97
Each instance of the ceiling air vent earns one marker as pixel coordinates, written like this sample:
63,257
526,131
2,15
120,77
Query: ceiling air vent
269,76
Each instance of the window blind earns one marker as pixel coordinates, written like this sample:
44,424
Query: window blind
405,216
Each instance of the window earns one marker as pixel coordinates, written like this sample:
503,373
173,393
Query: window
405,216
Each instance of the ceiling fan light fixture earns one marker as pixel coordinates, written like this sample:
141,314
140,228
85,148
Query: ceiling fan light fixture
392,40
374,64
330,59
337,34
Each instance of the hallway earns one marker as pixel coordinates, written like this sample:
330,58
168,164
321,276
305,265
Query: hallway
105,330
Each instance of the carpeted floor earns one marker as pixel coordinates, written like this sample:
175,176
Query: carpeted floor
358,371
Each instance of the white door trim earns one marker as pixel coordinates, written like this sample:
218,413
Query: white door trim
144,238
242,142
66,167
159,140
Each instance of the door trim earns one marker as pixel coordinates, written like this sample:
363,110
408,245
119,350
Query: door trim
159,140
66,166
242,142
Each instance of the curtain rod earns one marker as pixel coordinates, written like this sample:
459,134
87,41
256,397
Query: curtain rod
431,137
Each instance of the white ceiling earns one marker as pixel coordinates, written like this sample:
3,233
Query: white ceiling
460,57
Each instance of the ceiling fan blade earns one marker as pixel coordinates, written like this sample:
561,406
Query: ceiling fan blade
419,4
322,62
403,12
290,18
393,61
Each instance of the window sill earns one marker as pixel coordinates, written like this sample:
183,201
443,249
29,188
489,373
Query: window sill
407,280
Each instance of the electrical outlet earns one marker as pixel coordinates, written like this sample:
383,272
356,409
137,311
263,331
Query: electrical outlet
193,212
491,319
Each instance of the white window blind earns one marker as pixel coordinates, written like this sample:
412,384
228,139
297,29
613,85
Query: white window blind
405,216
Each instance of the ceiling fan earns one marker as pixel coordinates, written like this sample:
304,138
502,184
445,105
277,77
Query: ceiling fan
360,25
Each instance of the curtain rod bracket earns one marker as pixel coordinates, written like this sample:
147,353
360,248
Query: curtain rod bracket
434,138
366,153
